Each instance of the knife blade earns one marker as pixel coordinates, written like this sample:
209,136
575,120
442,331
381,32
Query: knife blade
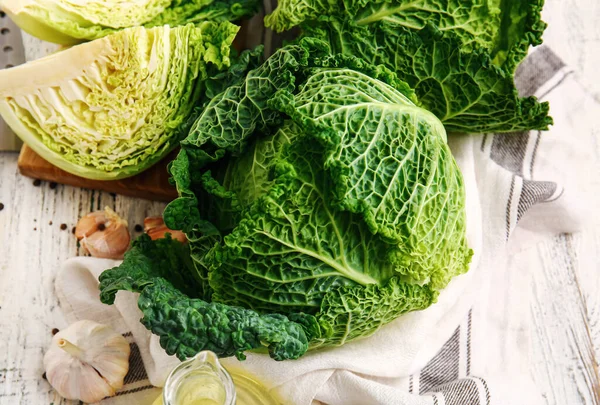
12,53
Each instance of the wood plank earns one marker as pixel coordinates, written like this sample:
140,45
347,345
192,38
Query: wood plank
589,280
152,184
564,363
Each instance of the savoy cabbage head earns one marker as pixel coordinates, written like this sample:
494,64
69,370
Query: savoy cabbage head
320,203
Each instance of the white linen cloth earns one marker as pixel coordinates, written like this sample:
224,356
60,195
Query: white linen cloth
448,353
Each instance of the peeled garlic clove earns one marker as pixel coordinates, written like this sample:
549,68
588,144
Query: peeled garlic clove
155,228
103,234
87,361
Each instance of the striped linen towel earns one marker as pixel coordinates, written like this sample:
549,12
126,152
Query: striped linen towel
471,348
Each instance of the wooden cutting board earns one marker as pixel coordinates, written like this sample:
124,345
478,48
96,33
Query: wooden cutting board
152,184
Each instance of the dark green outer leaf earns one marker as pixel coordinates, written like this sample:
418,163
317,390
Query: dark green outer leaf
473,20
505,29
187,326
147,260
232,116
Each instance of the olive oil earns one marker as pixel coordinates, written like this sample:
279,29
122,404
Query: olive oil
204,381
201,388
250,391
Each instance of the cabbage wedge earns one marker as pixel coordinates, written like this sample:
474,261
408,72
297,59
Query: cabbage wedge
70,22
111,108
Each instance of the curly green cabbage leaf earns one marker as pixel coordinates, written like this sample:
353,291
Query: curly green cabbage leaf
475,21
69,22
110,108
465,90
160,270
505,28
343,213
460,57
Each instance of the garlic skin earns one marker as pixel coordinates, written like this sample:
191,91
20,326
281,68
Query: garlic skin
87,361
103,234
155,228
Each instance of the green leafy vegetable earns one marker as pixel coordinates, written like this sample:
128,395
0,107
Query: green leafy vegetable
217,133
474,21
465,90
458,56
187,326
113,107
325,196
505,28
390,163
147,260
69,22
520,27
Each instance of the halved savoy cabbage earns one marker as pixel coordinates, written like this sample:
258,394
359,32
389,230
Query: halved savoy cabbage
110,108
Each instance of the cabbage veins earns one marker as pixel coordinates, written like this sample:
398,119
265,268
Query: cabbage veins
315,194
458,55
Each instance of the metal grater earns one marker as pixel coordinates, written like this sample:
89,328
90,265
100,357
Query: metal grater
12,53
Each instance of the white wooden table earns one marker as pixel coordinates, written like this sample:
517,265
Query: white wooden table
565,311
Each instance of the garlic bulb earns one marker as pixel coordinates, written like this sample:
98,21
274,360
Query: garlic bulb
155,228
87,361
103,234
